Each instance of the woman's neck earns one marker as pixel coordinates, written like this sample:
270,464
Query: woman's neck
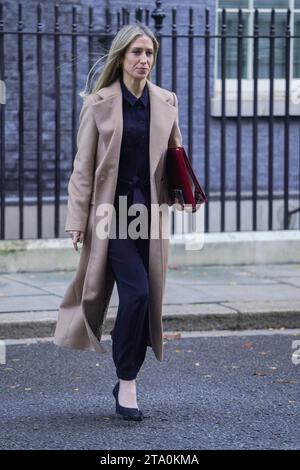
136,87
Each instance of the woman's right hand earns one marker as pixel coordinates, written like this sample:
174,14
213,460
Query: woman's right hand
76,237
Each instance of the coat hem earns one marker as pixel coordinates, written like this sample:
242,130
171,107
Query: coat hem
63,344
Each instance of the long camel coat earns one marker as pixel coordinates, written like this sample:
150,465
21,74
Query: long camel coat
84,306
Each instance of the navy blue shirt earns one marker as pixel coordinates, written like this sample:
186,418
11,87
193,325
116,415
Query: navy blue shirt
134,168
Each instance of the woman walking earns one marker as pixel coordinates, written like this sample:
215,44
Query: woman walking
126,125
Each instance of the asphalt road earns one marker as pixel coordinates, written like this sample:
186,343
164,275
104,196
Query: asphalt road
210,392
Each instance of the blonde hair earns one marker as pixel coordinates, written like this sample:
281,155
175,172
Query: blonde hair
111,69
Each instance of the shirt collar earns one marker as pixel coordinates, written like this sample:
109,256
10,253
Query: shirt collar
144,98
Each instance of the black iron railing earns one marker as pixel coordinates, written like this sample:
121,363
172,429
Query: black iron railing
36,153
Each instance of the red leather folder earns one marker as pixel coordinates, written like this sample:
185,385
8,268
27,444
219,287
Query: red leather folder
181,178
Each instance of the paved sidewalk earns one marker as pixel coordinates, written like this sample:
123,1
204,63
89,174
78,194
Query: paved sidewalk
203,298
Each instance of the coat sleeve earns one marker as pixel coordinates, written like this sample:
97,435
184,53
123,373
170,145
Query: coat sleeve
175,140
81,181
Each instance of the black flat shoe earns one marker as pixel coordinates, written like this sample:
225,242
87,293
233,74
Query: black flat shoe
126,413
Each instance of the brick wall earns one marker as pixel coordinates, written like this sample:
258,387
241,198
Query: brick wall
68,133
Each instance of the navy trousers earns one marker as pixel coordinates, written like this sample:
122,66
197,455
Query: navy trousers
129,260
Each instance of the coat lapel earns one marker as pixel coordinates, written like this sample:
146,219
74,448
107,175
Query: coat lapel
108,112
